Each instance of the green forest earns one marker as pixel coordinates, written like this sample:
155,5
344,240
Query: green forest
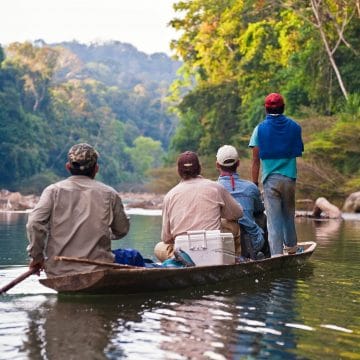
141,111
236,52
109,95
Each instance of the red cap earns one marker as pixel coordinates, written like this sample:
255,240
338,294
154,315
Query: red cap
274,100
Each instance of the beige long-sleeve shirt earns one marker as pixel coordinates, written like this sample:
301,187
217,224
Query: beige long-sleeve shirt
75,217
196,204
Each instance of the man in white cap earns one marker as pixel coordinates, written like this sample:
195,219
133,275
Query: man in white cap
248,196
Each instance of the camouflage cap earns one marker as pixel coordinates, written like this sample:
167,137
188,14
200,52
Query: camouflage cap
82,156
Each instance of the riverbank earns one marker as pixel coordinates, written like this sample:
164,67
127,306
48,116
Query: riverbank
16,202
149,201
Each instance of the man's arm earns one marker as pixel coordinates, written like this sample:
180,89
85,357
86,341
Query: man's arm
166,235
37,229
120,224
255,168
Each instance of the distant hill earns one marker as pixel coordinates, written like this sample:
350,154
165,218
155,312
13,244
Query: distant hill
108,94
121,64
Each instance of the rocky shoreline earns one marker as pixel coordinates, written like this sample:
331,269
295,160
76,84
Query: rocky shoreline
148,201
15,201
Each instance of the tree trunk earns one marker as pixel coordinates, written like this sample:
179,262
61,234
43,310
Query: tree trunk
315,9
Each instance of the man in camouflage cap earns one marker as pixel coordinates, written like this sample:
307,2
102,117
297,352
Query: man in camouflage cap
82,156
77,217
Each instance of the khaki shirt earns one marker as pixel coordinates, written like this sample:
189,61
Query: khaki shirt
75,217
196,204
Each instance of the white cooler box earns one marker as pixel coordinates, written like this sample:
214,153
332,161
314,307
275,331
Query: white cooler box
208,247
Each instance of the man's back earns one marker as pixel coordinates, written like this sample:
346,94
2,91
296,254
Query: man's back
276,143
79,212
196,204
247,194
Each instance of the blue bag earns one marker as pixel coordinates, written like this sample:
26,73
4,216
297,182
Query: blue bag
180,259
172,263
128,257
183,257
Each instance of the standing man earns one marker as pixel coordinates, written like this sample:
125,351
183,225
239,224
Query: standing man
248,196
277,142
75,217
195,203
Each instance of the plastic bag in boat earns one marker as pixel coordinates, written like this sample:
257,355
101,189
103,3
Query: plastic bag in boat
128,257
180,259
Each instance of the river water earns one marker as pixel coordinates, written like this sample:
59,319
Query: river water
307,313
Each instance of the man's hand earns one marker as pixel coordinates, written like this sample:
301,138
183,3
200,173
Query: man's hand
36,265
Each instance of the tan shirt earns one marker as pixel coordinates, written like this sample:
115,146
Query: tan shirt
196,204
75,217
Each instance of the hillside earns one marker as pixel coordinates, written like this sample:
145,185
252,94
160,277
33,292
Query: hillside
110,95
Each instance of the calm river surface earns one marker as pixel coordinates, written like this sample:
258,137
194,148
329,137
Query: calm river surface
307,313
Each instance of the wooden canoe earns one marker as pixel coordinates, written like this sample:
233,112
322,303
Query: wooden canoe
139,280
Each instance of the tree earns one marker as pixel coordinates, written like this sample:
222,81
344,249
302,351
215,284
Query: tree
22,136
145,155
213,115
2,55
330,18
265,47
37,65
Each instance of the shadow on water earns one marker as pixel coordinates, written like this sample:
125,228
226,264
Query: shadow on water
231,319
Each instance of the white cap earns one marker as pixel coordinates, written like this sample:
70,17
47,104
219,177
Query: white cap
227,155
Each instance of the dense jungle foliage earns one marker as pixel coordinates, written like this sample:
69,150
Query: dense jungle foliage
236,52
109,95
232,53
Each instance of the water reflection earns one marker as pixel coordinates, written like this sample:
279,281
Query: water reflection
307,314
248,319
327,230
199,328
13,238
61,329
86,328
12,218
217,323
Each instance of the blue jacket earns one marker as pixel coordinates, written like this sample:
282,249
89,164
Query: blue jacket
248,196
279,137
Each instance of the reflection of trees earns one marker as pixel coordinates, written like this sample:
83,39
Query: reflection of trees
84,327
61,329
262,318
13,238
327,230
12,218
253,321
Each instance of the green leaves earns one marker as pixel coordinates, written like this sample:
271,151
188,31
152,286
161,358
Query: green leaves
236,52
145,155
53,97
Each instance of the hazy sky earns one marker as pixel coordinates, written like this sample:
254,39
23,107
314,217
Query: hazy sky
142,23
